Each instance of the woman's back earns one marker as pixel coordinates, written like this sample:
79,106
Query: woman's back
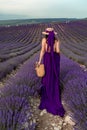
55,46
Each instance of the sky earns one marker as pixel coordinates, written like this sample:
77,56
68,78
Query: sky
27,9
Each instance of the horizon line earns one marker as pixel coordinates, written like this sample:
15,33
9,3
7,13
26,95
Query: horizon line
41,18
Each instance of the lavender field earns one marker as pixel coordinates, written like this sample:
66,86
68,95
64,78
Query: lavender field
19,50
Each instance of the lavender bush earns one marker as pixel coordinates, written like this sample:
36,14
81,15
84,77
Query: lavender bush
74,81
15,98
13,112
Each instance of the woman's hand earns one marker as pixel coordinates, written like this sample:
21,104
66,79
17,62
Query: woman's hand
37,63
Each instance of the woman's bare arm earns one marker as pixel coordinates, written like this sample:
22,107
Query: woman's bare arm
57,46
42,50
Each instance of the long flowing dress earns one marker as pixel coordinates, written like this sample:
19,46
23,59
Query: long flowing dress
50,91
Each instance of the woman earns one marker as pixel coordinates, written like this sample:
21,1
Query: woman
50,91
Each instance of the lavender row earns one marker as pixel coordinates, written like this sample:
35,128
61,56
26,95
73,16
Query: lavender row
18,52
74,93
15,108
26,75
81,59
21,34
71,45
14,44
7,66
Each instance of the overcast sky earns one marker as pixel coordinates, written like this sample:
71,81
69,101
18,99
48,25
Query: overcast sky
11,9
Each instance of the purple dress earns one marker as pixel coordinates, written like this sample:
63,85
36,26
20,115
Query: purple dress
50,91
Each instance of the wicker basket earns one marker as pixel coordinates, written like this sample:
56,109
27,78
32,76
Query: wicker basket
40,70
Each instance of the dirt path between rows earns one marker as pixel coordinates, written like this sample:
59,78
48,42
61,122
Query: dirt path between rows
47,121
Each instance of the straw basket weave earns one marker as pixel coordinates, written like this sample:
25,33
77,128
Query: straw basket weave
40,70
